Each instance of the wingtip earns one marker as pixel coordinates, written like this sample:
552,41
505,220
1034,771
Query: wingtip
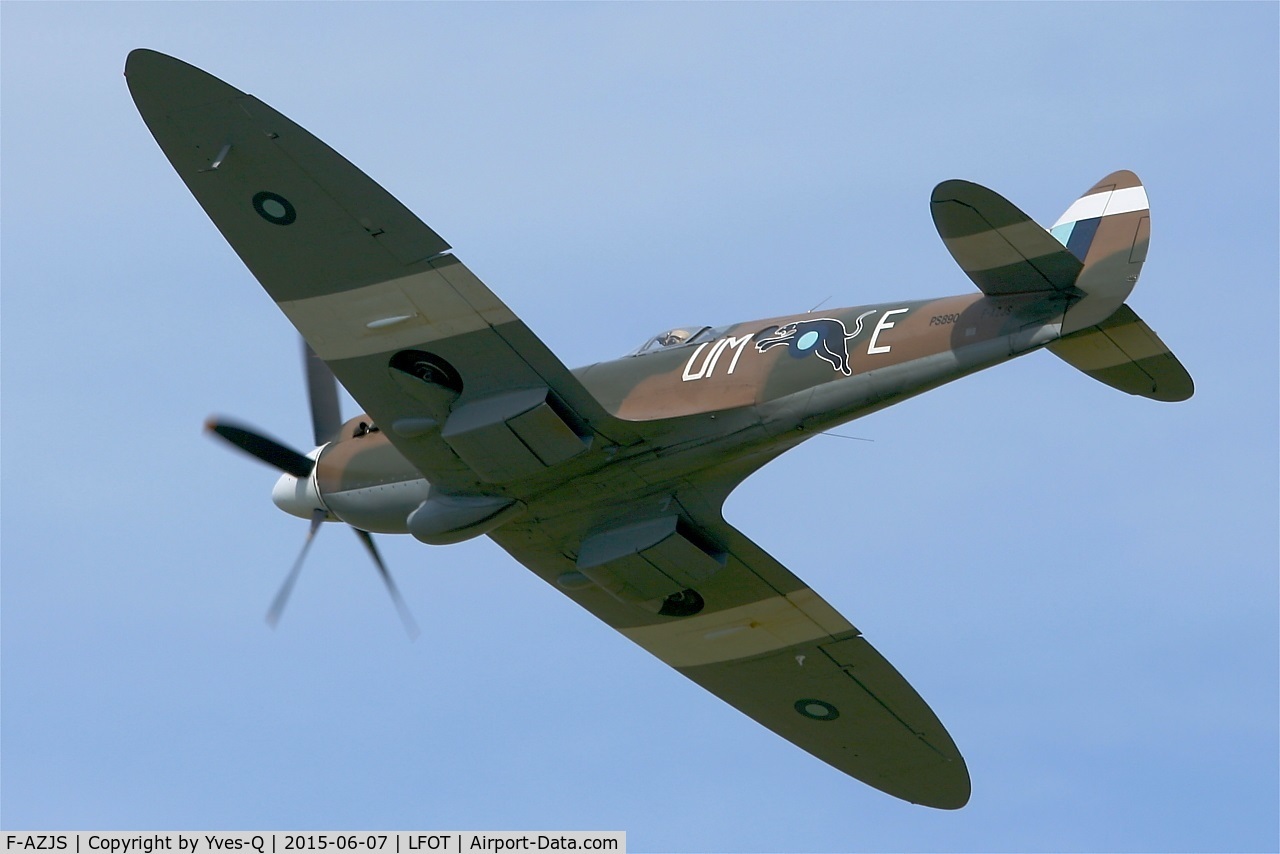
161,83
142,59
953,800
945,787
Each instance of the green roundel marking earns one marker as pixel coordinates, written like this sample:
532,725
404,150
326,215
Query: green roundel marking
274,208
817,710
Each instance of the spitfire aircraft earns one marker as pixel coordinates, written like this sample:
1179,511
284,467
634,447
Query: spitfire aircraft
608,481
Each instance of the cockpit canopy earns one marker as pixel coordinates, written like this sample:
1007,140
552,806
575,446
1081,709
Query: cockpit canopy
676,337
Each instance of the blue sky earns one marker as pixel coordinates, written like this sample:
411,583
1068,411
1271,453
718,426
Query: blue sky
1083,585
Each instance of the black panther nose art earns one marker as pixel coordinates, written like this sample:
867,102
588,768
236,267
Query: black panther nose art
825,337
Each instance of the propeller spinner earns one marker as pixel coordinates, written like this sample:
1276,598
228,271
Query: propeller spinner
296,491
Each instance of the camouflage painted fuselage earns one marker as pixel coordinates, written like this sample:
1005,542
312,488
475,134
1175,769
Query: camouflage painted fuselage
746,393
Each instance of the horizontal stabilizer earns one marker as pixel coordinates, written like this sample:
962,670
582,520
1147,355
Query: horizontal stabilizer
1124,353
999,247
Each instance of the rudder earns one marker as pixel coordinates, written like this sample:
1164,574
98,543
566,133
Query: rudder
1107,229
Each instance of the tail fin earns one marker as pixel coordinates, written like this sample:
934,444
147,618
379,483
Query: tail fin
1093,264
1107,229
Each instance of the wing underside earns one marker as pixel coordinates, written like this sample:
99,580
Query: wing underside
772,648
403,324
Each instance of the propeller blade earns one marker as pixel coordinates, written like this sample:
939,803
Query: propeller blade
263,447
282,598
322,391
410,626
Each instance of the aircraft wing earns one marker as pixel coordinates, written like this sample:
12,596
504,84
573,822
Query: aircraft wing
478,404
772,648
367,283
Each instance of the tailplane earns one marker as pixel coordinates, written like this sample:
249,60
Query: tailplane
1004,251
1124,353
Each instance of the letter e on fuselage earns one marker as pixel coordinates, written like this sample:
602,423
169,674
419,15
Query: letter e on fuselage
881,325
